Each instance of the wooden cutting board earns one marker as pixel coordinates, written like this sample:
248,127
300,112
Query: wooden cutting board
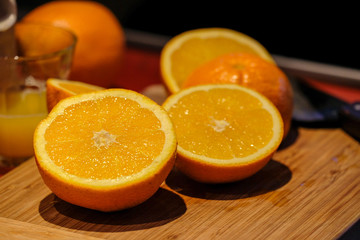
309,190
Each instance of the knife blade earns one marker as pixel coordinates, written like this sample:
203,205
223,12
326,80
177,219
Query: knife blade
317,108
323,72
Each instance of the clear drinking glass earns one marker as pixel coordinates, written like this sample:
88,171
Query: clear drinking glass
43,52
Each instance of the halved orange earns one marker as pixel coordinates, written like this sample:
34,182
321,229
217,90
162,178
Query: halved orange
106,150
186,51
225,132
250,71
58,89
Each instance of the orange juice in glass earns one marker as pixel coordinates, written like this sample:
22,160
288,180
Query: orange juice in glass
43,52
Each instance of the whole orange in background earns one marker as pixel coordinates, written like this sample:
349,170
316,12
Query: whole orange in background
101,41
250,71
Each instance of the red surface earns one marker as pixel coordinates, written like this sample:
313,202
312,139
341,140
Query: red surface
345,93
141,68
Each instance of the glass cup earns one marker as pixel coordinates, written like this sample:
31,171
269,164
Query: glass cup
43,52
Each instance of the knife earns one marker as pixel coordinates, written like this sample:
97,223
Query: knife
313,107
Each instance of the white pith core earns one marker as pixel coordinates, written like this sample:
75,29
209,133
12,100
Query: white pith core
103,139
218,125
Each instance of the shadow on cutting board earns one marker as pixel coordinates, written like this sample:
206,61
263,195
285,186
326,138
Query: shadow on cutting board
162,208
273,176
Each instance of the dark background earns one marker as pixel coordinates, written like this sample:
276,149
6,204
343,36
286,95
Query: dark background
312,31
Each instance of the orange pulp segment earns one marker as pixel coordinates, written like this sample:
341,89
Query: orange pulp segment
105,150
225,132
58,89
186,51
250,71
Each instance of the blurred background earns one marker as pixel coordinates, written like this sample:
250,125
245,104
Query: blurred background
324,33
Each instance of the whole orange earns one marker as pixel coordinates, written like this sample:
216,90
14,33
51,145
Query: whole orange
101,40
250,71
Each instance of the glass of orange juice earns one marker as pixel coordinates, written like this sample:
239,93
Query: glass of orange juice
43,52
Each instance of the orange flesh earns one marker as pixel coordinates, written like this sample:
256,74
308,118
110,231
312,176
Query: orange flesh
194,46
221,126
100,143
78,89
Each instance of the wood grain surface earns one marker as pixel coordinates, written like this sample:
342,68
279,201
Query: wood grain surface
13,229
309,190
